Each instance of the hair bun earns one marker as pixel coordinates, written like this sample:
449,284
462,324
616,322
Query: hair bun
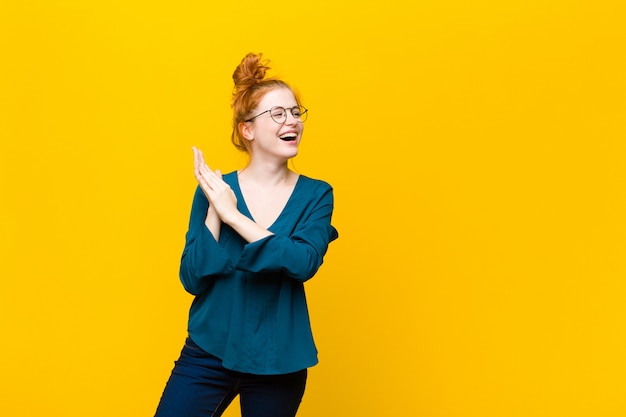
250,71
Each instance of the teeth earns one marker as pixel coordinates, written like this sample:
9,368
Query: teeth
288,135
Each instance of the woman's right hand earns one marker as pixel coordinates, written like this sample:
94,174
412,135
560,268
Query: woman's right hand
221,197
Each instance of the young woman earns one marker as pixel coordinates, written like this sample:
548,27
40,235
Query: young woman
255,236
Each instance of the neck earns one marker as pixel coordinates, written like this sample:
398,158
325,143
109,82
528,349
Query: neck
265,174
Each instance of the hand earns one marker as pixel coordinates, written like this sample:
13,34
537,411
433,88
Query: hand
221,197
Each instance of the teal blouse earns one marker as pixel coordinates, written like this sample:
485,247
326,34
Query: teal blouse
250,307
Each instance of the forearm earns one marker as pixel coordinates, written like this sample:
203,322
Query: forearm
213,223
246,228
299,256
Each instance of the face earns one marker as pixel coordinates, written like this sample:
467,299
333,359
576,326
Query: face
273,139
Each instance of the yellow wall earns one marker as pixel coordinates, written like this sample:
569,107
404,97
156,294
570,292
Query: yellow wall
477,154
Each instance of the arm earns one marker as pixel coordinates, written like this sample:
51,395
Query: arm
223,203
203,257
246,228
300,254
213,223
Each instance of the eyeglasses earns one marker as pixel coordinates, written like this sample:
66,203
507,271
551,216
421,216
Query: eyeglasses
279,114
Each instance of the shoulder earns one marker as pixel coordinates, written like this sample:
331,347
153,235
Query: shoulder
314,192
313,184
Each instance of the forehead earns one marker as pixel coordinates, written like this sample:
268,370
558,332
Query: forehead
278,97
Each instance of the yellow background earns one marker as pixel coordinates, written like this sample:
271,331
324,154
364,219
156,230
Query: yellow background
477,153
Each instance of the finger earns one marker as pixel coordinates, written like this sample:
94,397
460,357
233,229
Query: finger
201,168
198,156
196,164
201,171
206,177
202,162
206,172
204,167
212,180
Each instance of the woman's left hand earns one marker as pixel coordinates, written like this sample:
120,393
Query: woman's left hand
220,195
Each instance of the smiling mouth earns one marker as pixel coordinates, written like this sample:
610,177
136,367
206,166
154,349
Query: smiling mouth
288,137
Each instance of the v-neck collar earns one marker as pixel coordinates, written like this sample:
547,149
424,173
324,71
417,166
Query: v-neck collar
244,206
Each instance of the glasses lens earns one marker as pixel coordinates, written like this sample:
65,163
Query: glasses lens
279,114
300,113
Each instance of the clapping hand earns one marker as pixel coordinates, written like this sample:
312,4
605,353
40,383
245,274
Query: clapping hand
221,197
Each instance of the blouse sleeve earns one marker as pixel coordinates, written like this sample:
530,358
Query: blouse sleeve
203,257
299,255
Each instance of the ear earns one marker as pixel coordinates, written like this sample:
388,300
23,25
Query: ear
245,128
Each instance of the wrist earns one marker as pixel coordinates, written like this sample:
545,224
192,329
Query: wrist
232,219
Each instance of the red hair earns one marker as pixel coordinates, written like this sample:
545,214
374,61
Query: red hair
250,87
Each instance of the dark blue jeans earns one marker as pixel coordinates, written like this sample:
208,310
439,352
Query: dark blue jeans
201,387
